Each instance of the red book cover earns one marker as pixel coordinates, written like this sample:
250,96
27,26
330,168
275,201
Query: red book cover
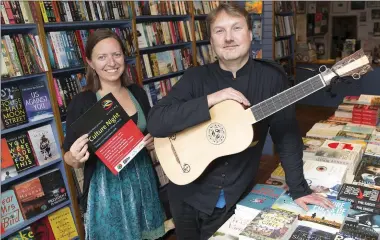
113,136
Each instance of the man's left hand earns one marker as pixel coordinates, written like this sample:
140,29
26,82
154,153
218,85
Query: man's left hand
314,199
149,142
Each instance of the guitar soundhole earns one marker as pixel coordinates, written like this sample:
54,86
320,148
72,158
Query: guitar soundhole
216,133
186,168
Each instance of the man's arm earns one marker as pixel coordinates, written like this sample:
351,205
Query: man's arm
180,109
286,136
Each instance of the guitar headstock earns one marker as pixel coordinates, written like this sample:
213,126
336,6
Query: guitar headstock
355,65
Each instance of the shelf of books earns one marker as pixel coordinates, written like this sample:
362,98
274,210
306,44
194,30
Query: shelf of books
341,161
35,194
284,37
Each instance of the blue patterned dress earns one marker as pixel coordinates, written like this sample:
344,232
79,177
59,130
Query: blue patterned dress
125,206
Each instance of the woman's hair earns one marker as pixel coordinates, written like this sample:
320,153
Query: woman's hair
231,9
92,79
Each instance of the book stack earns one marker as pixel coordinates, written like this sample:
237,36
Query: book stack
341,161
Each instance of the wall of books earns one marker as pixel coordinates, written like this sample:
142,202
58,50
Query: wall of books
43,68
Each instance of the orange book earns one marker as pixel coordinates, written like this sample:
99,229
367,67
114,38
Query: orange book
30,196
6,157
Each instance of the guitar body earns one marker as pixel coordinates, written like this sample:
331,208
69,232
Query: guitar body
185,155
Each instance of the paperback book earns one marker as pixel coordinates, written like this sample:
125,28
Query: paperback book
112,134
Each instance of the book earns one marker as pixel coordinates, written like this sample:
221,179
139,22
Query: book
308,233
361,224
361,197
260,197
31,197
12,107
21,151
44,144
23,234
8,168
113,136
36,101
270,224
232,227
62,224
10,210
368,172
54,188
330,217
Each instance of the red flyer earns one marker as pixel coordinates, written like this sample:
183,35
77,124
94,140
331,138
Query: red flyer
113,136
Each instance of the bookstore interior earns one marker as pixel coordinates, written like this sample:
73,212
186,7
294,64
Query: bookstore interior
43,68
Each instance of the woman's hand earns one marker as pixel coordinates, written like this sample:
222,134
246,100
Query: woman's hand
79,150
149,143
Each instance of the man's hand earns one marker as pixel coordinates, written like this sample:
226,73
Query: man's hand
314,199
227,94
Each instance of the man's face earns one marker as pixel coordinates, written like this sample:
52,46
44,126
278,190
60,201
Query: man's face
230,37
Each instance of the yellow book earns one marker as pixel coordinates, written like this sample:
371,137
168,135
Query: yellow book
278,173
62,224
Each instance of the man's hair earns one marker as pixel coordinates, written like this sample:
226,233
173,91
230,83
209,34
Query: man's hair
231,9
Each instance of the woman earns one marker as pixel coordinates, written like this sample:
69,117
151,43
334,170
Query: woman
125,206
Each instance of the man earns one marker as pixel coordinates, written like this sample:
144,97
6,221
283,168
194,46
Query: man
201,207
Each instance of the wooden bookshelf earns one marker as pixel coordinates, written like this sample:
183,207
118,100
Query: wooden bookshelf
42,29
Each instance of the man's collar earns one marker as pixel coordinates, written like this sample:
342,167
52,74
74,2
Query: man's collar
241,72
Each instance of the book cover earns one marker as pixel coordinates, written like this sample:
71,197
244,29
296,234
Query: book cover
42,229
8,168
270,224
362,224
36,101
10,210
368,172
12,108
21,151
308,233
360,196
113,136
261,196
54,188
329,217
232,227
44,144
23,234
31,197
62,224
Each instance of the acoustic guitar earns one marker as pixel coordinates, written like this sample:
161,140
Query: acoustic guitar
185,155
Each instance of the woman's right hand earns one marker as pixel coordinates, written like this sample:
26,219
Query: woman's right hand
79,149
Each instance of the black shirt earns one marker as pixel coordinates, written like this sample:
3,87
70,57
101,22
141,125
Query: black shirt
186,105
78,106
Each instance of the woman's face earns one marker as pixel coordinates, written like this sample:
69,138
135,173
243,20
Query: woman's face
107,59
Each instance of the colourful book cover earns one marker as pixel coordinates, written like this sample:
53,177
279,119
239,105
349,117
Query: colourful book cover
10,210
23,234
261,196
362,224
62,224
329,217
42,229
270,224
36,101
44,144
8,169
30,196
12,107
21,151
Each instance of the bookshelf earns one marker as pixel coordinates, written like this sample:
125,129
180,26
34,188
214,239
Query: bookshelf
137,14
284,37
40,77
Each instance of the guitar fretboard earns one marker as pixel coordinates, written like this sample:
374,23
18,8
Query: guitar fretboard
286,98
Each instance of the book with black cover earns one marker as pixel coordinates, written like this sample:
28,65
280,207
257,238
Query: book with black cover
113,136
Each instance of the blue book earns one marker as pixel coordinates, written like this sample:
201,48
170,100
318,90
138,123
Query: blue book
262,196
36,100
330,217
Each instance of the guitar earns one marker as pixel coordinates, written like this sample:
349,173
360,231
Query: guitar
185,155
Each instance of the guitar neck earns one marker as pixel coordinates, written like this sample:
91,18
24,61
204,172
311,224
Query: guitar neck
287,97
